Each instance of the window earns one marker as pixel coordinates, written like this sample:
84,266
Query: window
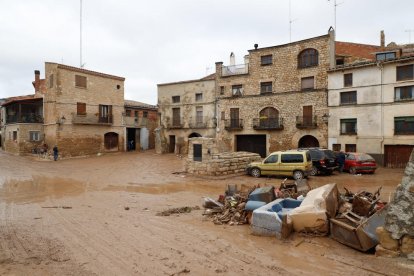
340,61
292,158
221,90
81,108
128,113
145,114
34,135
266,87
308,58
347,80
223,115
105,113
348,97
350,148
405,72
307,83
198,97
336,147
175,99
136,113
51,81
199,115
404,93
176,117
271,159
80,81
348,126
266,60
15,135
237,90
385,56
404,125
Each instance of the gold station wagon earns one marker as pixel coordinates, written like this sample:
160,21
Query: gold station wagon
296,164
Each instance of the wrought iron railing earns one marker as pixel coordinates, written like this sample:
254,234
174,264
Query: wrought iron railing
230,124
199,122
268,123
91,119
231,70
306,121
29,118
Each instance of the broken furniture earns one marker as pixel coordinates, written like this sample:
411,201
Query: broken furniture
260,197
318,206
268,219
357,231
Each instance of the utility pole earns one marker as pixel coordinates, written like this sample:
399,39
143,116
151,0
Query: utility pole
409,31
335,5
80,34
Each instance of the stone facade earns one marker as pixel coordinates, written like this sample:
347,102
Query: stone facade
194,104
83,133
214,162
286,96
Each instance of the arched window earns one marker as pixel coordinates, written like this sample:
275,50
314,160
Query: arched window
308,58
269,117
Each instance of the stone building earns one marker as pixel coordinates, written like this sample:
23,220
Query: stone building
140,120
78,110
371,105
187,110
276,100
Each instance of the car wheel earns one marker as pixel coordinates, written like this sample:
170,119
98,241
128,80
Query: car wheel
352,170
255,172
298,175
313,171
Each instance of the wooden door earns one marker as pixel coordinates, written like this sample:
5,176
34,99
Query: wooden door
111,140
176,117
234,117
172,144
307,115
397,156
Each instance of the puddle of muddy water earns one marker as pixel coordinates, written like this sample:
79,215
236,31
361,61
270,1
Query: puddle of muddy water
38,189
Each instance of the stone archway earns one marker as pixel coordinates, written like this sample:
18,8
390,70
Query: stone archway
308,141
111,140
194,134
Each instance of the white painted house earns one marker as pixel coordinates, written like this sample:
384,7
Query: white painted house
371,107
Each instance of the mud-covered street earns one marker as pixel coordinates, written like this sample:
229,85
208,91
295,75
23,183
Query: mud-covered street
70,218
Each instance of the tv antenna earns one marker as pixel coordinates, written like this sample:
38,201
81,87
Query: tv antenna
409,31
335,5
290,21
80,35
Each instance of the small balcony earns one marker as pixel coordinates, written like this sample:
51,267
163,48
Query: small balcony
199,122
91,119
24,118
233,124
306,122
268,123
231,70
176,122
135,121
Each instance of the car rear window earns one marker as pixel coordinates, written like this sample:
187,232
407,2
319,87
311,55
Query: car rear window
365,157
292,158
329,154
317,154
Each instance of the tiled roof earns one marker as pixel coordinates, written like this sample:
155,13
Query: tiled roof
370,63
206,78
356,50
81,70
20,99
131,103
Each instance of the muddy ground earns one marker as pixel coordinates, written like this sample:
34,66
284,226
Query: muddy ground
69,218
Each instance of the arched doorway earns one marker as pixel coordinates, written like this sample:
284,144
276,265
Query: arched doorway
111,140
194,134
308,141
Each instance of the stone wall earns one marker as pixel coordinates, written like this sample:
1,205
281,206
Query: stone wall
215,163
22,145
397,236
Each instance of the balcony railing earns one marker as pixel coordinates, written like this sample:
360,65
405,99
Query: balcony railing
28,118
231,70
175,122
306,122
233,124
91,119
268,123
135,121
199,122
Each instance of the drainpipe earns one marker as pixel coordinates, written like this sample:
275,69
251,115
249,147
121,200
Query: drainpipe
381,67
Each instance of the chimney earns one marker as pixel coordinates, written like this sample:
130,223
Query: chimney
37,80
382,43
255,46
232,59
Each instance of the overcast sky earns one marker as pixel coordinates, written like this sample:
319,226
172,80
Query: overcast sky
158,41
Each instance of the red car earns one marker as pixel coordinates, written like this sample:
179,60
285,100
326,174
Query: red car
359,162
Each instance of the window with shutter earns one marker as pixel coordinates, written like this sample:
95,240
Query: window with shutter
81,108
80,81
307,83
